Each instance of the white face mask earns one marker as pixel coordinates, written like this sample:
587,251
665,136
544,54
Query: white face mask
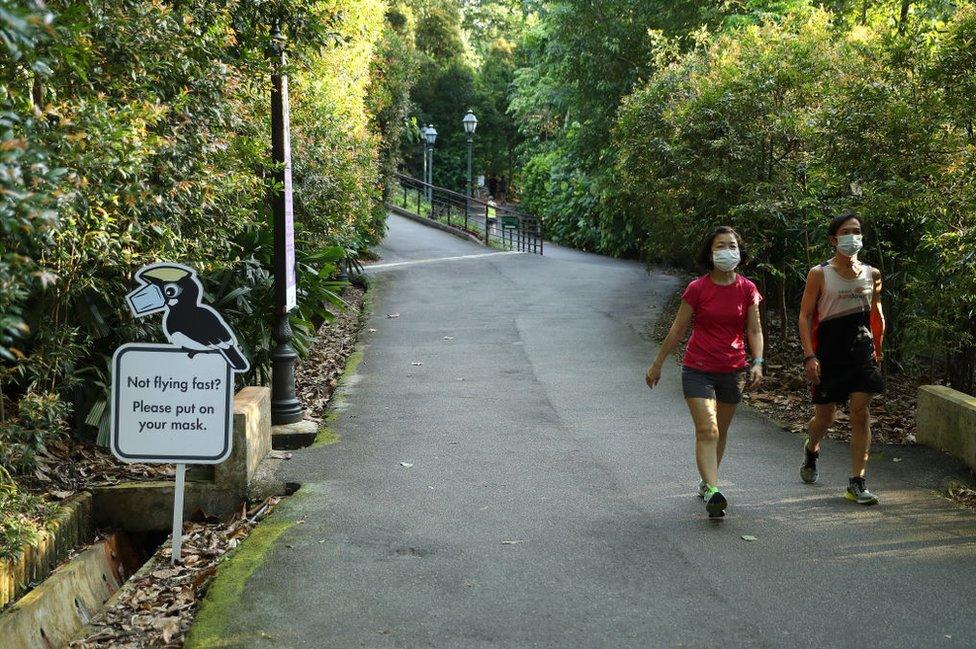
850,244
726,259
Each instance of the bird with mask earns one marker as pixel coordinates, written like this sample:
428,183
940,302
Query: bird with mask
187,322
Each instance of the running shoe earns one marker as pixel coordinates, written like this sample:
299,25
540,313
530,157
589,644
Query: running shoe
702,489
715,503
808,470
858,492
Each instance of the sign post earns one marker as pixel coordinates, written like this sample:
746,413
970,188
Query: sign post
173,403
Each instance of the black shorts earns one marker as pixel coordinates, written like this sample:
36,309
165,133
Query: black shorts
837,382
724,387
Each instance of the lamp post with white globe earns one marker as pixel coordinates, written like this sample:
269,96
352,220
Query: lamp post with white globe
423,149
431,136
470,124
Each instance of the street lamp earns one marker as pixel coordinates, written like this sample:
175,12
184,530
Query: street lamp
423,148
431,136
285,406
470,124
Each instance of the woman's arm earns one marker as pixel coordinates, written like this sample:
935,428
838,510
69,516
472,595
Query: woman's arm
675,335
755,334
877,316
808,306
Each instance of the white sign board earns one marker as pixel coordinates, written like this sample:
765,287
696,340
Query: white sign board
171,405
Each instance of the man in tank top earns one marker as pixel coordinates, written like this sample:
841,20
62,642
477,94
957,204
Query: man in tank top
841,331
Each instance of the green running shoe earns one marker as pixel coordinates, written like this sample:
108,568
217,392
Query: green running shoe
808,470
858,492
702,489
715,503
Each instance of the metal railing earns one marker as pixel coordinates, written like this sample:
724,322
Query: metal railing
499,227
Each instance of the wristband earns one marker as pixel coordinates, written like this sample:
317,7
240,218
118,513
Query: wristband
759,360
810,357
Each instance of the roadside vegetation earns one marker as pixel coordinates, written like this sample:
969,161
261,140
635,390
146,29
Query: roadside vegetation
139,131
635,127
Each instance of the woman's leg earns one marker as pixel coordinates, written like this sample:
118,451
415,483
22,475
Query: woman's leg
823,418
860,432
703,414
724,414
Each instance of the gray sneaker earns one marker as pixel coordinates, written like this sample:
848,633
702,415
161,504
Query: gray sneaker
808,470
702,489
858,492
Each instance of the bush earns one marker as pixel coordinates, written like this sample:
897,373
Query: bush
136,132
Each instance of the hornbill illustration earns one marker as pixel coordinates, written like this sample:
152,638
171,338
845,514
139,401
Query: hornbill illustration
188,323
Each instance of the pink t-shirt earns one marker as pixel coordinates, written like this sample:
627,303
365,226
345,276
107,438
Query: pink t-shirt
717,342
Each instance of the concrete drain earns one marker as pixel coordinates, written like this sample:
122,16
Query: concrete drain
72,595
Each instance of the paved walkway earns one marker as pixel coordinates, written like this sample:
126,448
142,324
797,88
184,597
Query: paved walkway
550,498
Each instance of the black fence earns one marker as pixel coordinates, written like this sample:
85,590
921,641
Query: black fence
497,226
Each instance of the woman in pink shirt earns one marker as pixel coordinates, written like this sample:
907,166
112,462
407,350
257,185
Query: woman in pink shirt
724,306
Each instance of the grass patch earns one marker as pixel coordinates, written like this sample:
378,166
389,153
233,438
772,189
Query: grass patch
224,594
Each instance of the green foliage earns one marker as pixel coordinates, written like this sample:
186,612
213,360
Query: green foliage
772,116
22,516
778,125
27,178
138,131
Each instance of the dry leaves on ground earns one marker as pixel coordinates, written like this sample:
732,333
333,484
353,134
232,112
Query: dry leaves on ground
963,495
156,607
68,466
318,375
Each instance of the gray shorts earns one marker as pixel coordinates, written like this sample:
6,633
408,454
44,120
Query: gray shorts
725,387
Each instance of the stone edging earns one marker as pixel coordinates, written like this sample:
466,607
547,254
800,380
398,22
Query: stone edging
72,527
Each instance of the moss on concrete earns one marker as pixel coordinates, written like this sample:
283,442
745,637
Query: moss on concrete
327,432
225,592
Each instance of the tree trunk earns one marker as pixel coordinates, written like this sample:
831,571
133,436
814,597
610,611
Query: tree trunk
903,17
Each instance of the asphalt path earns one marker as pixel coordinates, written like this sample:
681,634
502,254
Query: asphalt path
549,500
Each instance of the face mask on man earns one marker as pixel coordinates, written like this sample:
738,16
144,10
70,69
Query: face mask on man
726,259
850,244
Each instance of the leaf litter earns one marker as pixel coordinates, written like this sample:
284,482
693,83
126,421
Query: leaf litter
156,607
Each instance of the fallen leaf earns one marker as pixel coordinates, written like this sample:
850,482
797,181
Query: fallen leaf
406,464
61,495
170,628
747,537
416,363
165,574
392,316
448,337
896,459
513,541
371,330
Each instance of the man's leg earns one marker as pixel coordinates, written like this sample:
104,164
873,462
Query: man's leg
706,437
860,432
724,414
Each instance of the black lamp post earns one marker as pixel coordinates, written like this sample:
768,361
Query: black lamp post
431,136
285,406
470,124
423,149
